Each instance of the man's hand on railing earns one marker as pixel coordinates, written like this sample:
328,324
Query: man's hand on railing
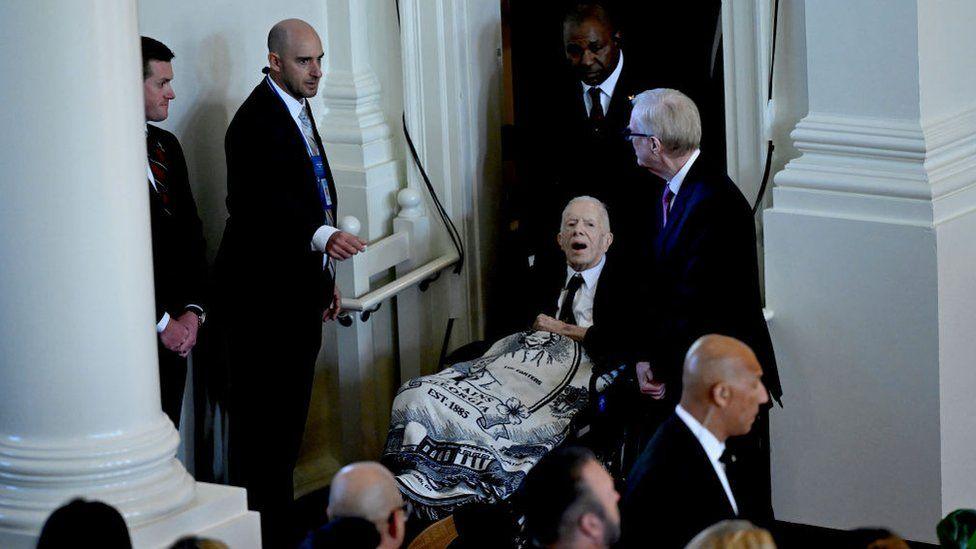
335,308
343,245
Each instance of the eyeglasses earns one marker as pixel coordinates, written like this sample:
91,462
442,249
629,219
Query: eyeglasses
629,135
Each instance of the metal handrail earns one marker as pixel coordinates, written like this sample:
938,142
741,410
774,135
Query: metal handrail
370,300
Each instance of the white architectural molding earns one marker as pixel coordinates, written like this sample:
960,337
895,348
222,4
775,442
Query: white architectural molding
353,126
868,263
134,470
746,32
892,170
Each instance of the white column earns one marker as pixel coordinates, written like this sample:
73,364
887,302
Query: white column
358,141
79,388
353,126
869,263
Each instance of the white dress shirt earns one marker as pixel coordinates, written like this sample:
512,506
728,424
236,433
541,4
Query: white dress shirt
295,108
583,302
713,449
675,182
606,88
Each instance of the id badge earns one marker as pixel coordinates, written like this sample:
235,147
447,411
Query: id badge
319,165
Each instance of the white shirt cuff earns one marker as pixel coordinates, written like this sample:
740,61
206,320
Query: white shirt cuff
322,236
163,323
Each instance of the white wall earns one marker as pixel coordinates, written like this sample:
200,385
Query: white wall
946,48
220,49
869,269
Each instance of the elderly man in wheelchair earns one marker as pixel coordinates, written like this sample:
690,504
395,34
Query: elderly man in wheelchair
471,432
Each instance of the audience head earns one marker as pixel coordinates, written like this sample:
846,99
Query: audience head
670,119
591,42
879,538
194,542
584,235
569,500
295,57
157,75
367,490
722,385
81,523
732,534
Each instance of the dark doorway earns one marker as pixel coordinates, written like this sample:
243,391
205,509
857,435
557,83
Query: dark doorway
665,44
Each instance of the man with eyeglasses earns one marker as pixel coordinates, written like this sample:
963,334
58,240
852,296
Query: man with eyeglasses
366,490
701,261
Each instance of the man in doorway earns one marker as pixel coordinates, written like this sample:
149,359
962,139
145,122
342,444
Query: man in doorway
179,257
580,149
276,271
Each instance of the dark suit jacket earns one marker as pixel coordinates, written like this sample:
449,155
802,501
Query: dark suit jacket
179,255
673,491
566,155
706,275
608,340
274,209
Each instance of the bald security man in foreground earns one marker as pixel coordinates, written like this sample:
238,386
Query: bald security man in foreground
368,491
685,480
275,272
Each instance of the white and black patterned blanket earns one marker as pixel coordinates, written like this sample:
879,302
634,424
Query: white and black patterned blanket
472,431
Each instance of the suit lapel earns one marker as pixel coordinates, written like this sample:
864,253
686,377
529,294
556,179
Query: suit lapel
681,207
706,471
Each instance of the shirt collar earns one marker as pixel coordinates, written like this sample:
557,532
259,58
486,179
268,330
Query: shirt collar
608,85
712,446
590,276
293,105
675,182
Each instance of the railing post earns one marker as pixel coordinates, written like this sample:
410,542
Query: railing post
412,221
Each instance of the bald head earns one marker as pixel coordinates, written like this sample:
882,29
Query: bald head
722,385
365,490
295,57
278,37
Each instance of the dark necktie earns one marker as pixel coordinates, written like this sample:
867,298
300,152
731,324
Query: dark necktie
666,204
596,106
731,463
157,165
566,311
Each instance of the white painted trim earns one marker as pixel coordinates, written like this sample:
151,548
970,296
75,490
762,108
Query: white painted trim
441,114
889,170
746,26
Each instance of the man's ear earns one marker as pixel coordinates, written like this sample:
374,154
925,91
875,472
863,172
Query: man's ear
591,526
721,393
274,61
608,238
559,239
396,528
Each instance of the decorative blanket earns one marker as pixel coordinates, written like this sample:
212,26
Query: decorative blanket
471,432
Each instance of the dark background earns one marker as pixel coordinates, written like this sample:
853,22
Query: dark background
668,44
